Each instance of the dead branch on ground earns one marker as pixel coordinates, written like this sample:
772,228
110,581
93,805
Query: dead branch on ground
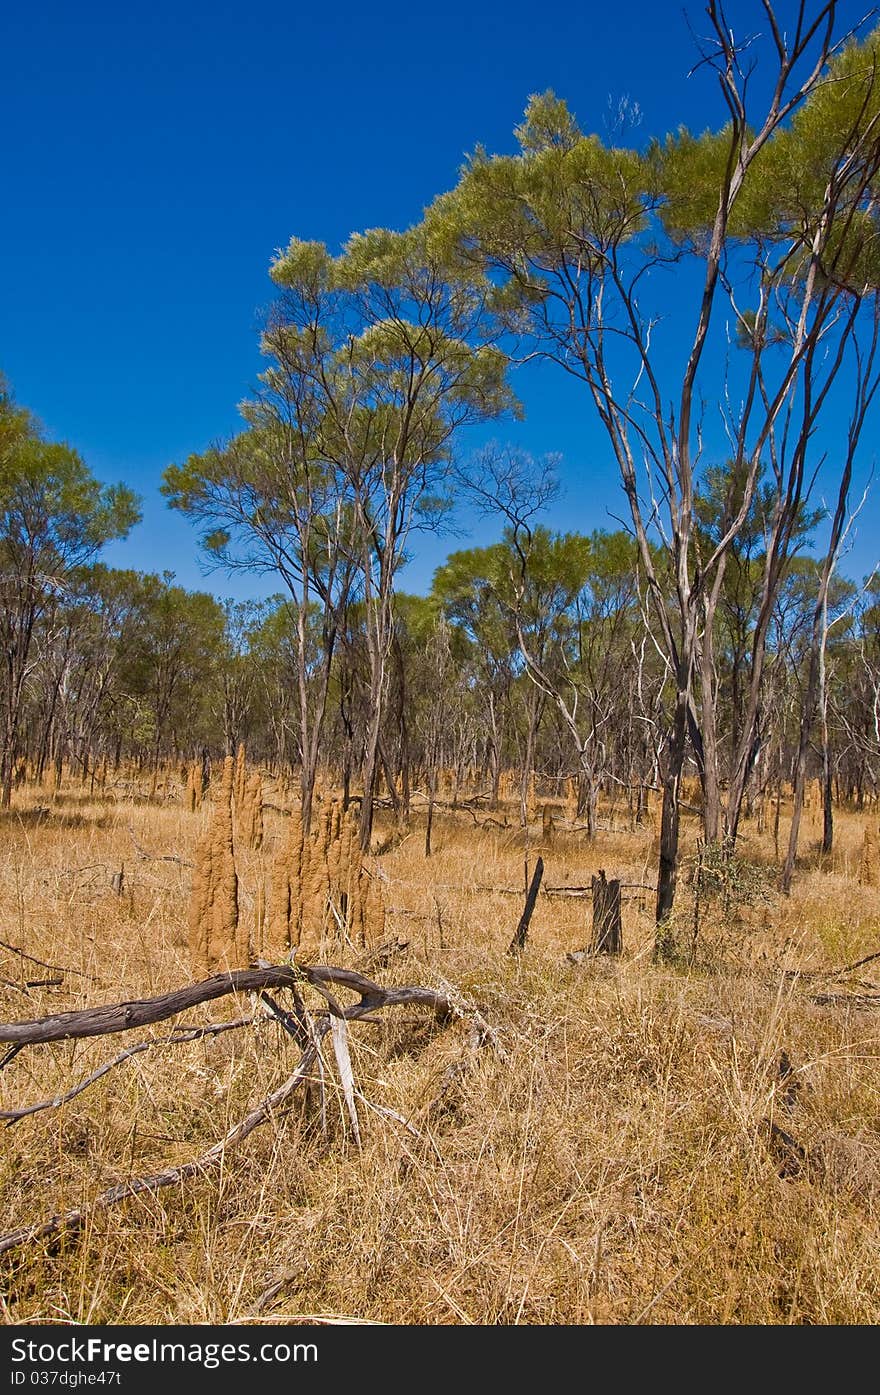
156,857
122,1017
117,1017
178,1038
44,964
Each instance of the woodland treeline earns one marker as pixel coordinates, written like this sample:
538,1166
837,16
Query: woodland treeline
714,297
127,668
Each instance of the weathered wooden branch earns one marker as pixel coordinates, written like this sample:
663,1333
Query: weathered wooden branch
156,857
855,1000
177,1038
122,1017
295,1023
835,973
483,888
72,1220
31,983
380,956
848,968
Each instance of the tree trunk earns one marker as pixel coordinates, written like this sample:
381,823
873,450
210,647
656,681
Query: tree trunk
371,763
667,872
827,805
709,773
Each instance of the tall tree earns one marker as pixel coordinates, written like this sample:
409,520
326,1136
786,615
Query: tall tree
394,345
377,360
768,222
54,518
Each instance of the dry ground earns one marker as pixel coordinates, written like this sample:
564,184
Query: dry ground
630,1153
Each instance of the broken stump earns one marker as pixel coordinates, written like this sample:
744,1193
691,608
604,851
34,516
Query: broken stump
607,925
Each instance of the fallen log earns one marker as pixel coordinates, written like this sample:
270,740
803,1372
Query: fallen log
118,1017
122,1017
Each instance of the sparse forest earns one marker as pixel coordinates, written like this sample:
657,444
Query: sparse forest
526,928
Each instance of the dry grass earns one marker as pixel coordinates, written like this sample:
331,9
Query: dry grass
613,1162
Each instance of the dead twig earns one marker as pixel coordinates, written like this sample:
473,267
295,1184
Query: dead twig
856,1000
31,983
44,964
156,857
72,1220
339,1038
295,1023
791,1158
380,956
178,1038
120,1016
848,968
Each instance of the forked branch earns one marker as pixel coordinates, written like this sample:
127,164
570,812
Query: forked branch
118,1017
121,1017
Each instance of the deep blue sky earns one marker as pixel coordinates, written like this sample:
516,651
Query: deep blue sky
156,155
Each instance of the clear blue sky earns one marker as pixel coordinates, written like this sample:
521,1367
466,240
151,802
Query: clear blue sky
156,155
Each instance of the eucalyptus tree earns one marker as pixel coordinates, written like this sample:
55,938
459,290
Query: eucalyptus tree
377,358
427,702
827,608
465,587
854,697
605,659
392,344
238,686
734,657
269,501
172,666
572,602
768,227
273,653
85,640
510,618
54,518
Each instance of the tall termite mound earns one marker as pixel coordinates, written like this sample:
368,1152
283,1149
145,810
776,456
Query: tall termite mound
252,812
291,864
321,890
506,787
247,794
868,868
194,786
356,899
219,936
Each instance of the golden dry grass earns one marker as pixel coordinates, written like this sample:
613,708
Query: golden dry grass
612,1162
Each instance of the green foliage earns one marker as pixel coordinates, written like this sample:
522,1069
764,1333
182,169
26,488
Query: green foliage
547,125
303,265
54,515
565,202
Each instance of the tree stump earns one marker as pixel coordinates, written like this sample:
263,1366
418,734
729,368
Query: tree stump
607,927
518,943
547,823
